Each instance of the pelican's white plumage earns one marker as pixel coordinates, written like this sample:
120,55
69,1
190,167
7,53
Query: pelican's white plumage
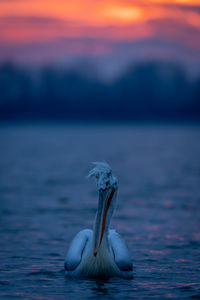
100,253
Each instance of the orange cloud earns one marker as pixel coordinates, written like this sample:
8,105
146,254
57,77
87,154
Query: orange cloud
89,11
49,21
94,13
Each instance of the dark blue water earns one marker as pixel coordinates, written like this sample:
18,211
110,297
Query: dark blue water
45,200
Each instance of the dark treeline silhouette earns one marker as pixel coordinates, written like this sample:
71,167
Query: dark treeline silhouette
147,91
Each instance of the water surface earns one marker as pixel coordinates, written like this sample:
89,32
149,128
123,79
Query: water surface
45,200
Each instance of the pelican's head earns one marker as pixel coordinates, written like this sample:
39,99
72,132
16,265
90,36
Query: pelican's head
107,187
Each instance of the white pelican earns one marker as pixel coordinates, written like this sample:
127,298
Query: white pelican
100,253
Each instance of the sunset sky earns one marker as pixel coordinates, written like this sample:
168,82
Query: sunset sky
39,31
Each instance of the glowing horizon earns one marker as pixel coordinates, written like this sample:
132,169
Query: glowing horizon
45,22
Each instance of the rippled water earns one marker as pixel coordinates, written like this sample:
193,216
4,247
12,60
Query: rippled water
45,200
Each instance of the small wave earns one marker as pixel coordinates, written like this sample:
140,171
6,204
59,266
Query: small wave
42,272
18,257
185,288
53,254
195,296
63,200
194,243
4,282
174,246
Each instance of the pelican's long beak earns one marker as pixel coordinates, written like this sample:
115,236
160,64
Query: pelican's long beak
105,198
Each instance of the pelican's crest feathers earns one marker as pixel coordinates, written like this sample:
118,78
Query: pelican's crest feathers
103,174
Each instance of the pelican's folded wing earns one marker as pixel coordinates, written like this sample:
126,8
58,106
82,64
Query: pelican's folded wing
121,254
74,254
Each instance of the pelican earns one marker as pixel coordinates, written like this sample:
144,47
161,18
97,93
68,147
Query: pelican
100,253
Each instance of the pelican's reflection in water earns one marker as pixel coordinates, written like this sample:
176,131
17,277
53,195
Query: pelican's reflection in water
100,288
